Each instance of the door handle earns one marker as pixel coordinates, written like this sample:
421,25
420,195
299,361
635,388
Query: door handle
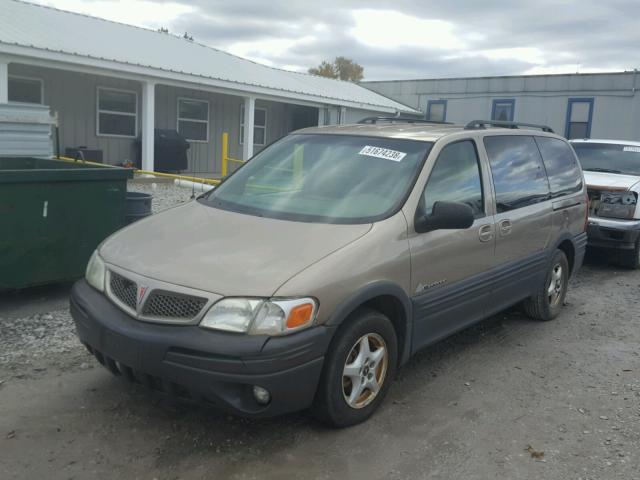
485,233
505,227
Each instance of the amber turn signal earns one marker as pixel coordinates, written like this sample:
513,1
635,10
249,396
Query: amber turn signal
300,315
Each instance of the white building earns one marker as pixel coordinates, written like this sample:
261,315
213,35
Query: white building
111,84
590,105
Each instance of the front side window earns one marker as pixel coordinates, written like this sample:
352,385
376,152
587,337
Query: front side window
259,126
117,112
518,174
561,165
611,158
26,90
193,119
436,110
579,114
503,110
324,178
455,178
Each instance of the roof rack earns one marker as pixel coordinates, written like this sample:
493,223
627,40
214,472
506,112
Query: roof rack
375,120
480,124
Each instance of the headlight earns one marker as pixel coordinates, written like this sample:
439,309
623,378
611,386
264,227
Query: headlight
618,204
95,272
257,316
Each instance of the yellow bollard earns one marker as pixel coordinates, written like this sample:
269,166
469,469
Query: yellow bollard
225,153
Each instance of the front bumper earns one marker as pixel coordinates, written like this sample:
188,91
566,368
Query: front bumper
612,233
188,362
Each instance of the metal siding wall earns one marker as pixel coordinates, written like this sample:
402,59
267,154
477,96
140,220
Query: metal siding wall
224,116
354,115
538,99
73,97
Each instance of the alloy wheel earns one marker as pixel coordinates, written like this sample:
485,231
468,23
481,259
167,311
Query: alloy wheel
365,370
554,291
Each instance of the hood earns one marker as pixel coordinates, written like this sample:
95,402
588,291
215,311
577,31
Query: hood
223,252
610,180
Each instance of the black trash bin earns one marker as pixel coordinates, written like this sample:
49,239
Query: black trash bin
138,206
170,151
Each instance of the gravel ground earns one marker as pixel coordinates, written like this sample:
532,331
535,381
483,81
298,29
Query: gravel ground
508,398
165,195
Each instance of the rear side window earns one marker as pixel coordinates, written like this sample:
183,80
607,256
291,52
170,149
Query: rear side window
561,164
455,178
518,173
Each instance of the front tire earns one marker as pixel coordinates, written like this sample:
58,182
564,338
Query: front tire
547,303
359,368
631,259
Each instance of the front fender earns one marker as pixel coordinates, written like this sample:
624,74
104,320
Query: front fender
369,292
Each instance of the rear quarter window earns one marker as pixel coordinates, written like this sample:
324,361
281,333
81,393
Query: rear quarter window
562,167
518,173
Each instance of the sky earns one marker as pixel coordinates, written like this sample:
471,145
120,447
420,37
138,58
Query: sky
401,39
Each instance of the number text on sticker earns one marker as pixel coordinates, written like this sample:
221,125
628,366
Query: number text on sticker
380,152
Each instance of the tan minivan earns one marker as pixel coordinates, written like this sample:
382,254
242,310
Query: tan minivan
319,267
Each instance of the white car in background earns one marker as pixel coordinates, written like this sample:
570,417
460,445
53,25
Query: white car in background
612,173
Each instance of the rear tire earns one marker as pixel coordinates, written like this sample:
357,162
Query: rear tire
631,259
359,368
547,303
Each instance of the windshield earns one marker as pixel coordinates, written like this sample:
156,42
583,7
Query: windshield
324,178
604,157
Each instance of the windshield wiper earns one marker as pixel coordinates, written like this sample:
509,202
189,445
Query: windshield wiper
604,170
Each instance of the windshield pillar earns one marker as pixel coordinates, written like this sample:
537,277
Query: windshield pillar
249,120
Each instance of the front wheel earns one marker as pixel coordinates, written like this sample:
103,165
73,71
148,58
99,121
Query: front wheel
549,299
358,371
631,259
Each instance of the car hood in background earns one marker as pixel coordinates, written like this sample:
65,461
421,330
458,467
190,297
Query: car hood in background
610,180
223,252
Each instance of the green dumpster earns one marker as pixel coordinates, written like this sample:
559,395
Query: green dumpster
53,214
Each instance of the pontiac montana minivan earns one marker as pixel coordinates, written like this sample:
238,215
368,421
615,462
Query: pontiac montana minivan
318,268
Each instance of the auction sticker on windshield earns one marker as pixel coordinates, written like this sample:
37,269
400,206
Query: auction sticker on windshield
380,152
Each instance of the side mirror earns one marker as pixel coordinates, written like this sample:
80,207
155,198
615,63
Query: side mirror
445,216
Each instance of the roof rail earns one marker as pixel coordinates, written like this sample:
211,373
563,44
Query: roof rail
480,124
375,120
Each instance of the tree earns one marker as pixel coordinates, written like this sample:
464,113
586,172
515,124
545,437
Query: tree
342,68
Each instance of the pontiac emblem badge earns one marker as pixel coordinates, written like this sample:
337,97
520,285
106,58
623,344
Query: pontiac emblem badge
141,291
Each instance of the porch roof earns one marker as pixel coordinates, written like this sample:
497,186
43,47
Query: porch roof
47,33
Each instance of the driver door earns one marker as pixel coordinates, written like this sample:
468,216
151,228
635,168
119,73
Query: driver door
447,266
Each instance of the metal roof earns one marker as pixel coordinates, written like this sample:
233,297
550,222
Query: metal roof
47,32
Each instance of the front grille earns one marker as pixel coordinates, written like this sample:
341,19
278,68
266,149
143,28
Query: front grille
171,305
124,290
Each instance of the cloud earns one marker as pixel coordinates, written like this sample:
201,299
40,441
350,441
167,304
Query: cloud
396,39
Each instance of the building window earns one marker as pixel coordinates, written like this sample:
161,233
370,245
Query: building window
259,126
193,119
503,109
436,110
26,90
579,116
117,113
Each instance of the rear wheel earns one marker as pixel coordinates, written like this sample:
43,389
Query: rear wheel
547,302
358,370
631,259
